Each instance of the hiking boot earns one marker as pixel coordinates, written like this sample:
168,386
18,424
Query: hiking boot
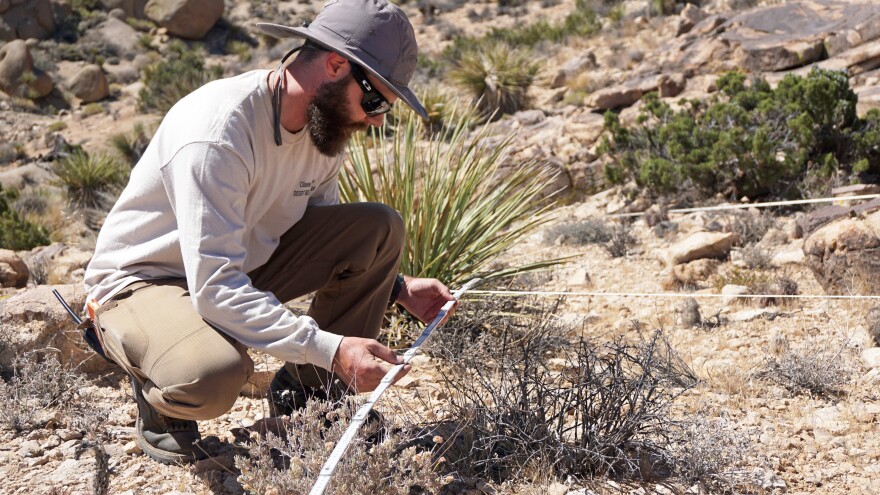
164,439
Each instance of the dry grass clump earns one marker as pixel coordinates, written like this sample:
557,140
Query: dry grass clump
525,399
815,368
289,461
498,76
748,226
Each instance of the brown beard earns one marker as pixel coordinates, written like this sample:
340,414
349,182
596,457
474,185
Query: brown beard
329,124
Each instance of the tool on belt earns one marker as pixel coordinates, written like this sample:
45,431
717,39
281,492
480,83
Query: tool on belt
87,326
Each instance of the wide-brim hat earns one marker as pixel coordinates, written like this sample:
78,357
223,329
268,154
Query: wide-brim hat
374,34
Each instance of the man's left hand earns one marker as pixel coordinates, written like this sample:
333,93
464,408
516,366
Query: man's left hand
424,297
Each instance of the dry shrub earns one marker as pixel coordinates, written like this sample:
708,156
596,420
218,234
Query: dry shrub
524,399
579,233
711,455
289,462
755,257
748,226
820,369
37,384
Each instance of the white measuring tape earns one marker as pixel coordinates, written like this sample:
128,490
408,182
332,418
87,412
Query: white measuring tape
516,293
363,412
746,206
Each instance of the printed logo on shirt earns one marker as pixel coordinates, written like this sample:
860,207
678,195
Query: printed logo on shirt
304,189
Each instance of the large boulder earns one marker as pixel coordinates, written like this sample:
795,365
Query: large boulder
38,321
18,76
701,245
118,36
58,263
845,255
13,270
189,19
89,84
132,8
626,94
23,19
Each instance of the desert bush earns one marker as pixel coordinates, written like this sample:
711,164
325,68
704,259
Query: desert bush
709,453
36,383
18,233
289,461
131,146
740,276
621,239
579,233
749,140
459,215
780,285
755,257
89,180
497,76
521,394
749,227
181,71
816,368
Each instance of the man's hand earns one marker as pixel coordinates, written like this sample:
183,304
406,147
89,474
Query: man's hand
423,297
362,363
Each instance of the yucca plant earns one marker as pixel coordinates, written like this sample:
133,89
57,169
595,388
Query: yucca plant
460,212
131,146
88,179
497,76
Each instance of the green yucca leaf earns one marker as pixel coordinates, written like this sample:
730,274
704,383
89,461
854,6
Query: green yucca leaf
87,179
460,213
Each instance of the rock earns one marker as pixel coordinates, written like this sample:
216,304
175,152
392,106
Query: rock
754,314
89,84
845,255
26,19
132,8
189,19
18,76
30,448
40,322
671,85
572,68
689,313
117,35
855,190
695,272
822,216
790,255
701,245
731,293
871,357
872,321
13,270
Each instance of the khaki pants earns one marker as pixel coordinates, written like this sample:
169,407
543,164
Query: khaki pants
348,253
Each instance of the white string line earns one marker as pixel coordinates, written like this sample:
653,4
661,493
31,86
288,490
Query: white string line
517,293
360,417
746,206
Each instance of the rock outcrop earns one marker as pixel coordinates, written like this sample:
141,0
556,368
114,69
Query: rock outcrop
40,322
89,84
23,19
845,255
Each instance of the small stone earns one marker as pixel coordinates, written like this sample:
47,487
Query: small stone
731,293
132,448
871,357
30,448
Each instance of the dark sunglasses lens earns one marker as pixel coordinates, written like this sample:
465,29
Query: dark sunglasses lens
375,105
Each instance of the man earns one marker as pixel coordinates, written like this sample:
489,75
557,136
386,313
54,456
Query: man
233,210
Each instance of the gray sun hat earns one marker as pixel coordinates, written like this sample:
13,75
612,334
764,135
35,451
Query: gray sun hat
374,34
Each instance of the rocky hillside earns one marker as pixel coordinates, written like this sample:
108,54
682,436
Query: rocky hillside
779,393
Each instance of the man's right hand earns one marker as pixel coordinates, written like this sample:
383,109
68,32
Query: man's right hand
362,363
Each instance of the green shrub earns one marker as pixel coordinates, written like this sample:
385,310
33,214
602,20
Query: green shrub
181,71
17,233
459,217
131,146
750,140
88,179
497,76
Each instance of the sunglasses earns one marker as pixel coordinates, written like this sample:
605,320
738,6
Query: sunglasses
373,102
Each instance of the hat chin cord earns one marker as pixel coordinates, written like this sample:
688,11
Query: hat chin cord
276,95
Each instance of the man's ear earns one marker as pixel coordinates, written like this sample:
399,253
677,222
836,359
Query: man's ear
336,66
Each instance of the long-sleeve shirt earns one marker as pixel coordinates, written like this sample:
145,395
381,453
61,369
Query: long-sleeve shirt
209,201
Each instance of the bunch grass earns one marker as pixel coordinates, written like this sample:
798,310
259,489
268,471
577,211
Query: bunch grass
460,214
88,180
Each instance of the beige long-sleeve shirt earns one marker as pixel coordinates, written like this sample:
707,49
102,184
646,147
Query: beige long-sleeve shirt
208,202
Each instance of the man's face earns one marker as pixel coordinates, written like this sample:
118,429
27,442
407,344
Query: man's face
330,123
